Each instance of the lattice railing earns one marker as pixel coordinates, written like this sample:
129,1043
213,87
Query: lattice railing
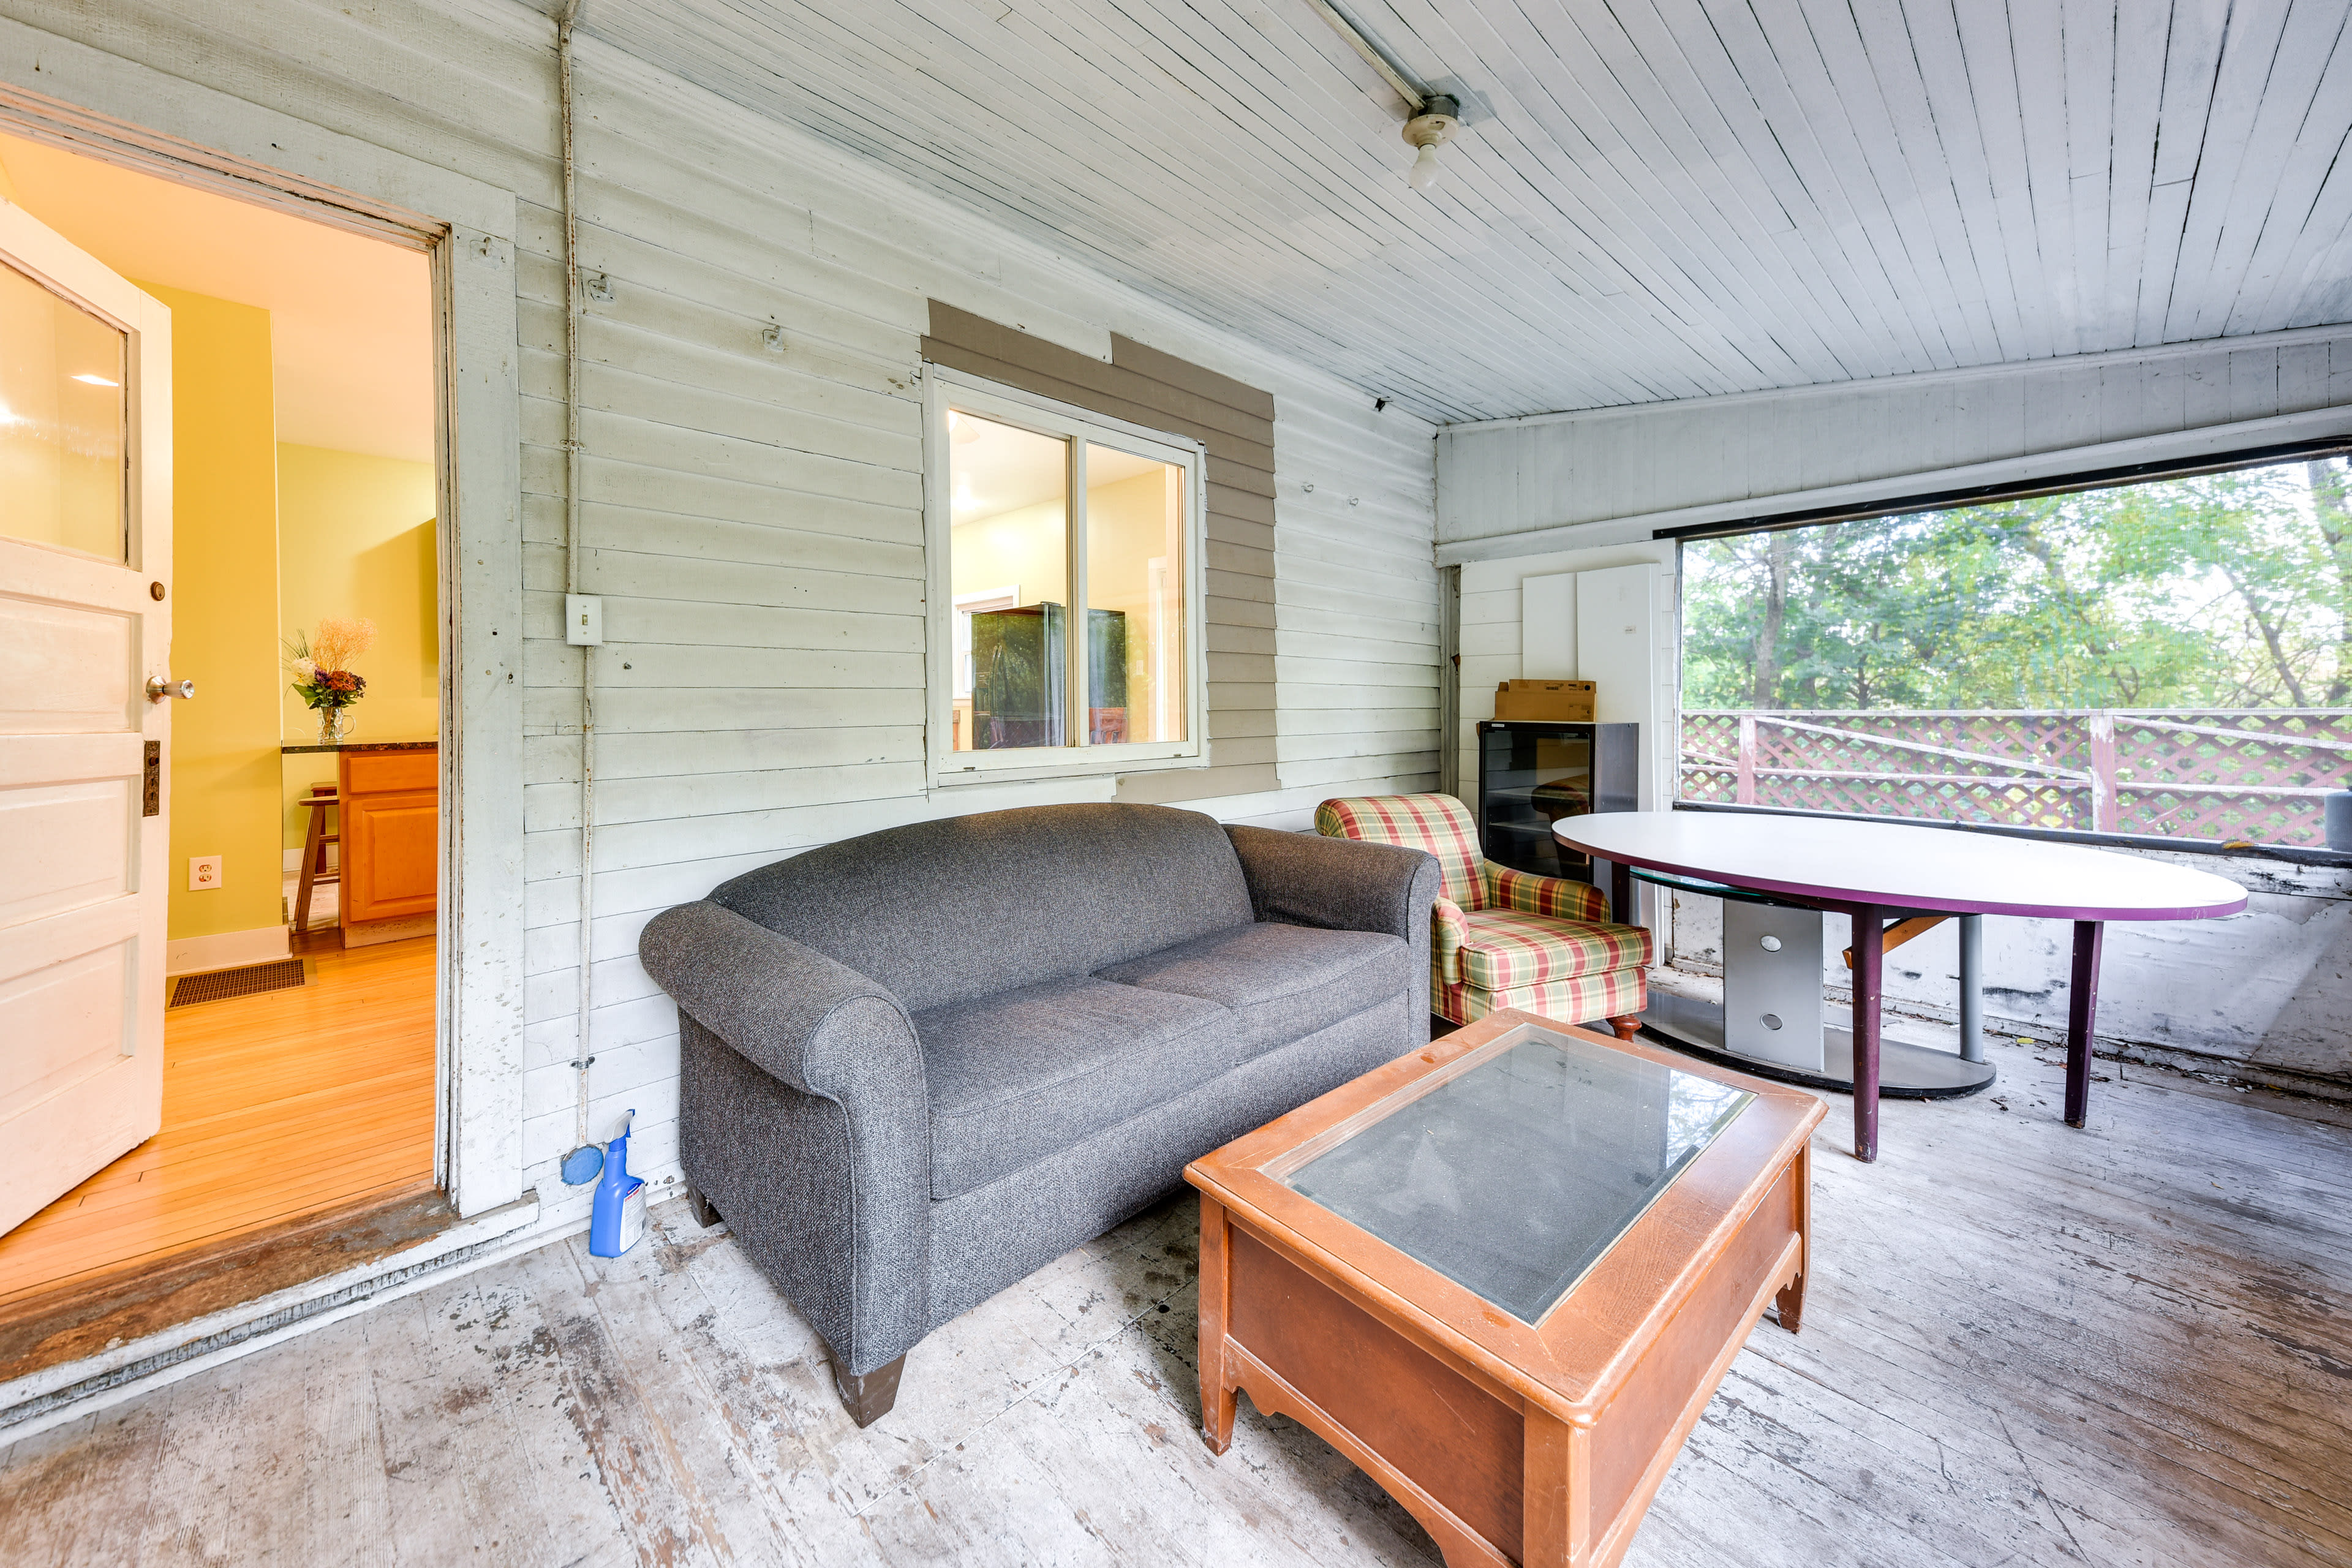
2251,774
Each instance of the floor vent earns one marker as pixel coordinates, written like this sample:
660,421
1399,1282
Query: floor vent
250,981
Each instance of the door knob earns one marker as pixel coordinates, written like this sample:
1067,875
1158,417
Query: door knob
158,689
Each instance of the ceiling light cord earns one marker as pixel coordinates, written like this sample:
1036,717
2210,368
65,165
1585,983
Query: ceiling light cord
1435,117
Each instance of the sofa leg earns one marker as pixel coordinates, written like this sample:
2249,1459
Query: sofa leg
868,1398
1627,1025
699,1206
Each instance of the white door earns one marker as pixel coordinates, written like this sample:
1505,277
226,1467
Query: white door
85,625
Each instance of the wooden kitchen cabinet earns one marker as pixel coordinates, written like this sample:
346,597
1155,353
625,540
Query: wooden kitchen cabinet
391,842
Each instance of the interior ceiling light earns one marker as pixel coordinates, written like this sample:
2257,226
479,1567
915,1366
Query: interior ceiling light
1439,119
1436,116
97,380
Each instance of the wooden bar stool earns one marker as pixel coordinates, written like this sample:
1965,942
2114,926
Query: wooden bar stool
314,852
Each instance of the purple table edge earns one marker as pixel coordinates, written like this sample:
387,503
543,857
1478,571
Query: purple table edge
1869,951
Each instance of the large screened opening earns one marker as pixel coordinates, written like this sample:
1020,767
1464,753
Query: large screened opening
2168,658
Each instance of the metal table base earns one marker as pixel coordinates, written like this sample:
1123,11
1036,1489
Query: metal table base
1772,956
1905,1071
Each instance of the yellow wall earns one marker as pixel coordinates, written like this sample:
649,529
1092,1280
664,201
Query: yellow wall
355,537
1129,522
1125,524
223,748
1023,548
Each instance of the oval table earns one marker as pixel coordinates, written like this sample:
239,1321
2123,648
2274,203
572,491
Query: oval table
1862,868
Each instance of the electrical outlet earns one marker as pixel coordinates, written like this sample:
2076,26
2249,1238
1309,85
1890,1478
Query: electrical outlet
204,873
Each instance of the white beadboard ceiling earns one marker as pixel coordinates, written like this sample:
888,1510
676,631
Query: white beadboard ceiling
1650,199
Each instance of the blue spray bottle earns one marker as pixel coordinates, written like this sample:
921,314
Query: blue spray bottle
618,1217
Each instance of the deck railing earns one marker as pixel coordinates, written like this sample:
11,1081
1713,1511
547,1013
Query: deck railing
2255,775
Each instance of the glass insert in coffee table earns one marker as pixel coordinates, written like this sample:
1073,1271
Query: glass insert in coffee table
1515,1177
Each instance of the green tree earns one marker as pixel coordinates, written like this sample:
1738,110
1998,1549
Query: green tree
2230,590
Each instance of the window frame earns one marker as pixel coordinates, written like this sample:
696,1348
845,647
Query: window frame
944,391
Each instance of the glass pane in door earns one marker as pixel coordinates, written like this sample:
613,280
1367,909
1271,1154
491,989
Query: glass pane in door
1009,557
1135,598
64,422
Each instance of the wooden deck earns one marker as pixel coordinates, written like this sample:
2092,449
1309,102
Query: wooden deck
2131,1344
275,1106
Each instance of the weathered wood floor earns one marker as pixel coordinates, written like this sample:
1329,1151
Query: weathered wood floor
2024,1345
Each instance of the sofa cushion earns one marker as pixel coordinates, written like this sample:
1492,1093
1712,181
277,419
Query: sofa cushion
1021,1074
1282,981
969,906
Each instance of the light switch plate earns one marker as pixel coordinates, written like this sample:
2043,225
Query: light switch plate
584,620
204,873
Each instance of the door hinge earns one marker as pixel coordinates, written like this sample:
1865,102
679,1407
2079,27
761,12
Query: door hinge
154,806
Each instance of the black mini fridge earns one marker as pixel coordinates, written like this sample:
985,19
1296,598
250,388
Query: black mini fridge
1534,772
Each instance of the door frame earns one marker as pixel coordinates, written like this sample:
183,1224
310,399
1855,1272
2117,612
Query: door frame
246,154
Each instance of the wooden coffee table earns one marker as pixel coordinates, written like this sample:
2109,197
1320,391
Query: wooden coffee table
1505,1273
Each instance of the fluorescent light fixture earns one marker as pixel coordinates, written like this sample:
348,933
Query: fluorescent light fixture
96,380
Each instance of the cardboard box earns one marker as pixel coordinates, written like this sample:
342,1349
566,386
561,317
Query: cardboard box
1570,701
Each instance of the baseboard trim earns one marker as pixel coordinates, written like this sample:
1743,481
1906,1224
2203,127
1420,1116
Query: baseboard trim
224,950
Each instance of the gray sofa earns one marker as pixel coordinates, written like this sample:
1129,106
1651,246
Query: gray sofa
919,1063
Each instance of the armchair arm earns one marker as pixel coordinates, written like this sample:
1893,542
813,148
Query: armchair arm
1530,894
804,1117
1342,884
1450,932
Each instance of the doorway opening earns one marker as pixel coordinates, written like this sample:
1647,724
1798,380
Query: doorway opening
300,783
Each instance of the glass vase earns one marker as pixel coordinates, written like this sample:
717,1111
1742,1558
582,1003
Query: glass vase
336,726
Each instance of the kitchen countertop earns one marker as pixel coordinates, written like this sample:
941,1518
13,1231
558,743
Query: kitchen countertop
366,746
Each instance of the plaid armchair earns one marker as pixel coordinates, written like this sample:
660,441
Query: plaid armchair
1504,938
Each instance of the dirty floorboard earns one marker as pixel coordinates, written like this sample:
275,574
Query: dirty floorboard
2022,1346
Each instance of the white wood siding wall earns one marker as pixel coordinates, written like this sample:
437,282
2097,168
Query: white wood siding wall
753,518
1555,480
1356,607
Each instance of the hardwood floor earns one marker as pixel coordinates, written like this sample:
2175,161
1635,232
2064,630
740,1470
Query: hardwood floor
275,1106
2023,1344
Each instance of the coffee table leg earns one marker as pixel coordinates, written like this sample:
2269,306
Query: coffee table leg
1792,1301
1216,1393
1869,962
2081,1009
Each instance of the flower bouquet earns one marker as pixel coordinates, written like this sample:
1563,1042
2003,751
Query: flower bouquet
323,673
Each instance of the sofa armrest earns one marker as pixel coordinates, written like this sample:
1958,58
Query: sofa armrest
798,1016
1342,884
805,1118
